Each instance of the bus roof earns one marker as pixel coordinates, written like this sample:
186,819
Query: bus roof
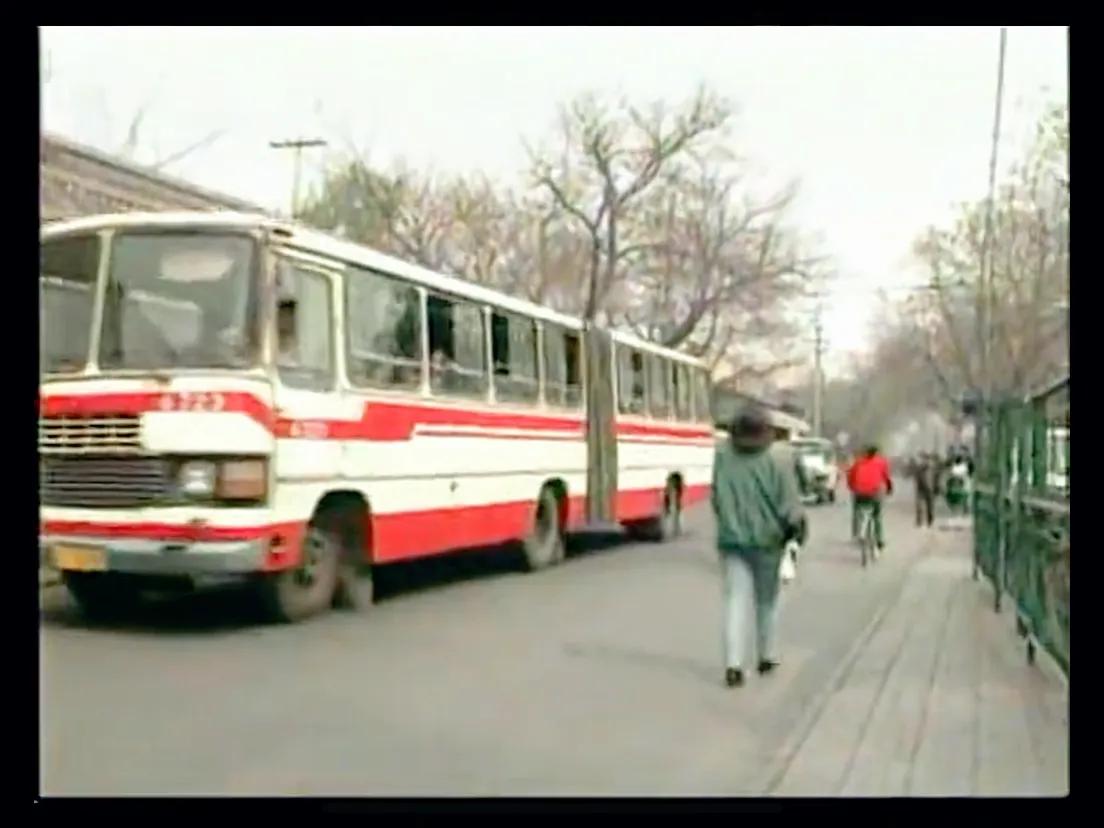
309,240
644,345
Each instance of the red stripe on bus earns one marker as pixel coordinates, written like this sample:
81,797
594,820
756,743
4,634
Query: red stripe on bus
160,531
695,494
395,537
384,421
142,402
646,429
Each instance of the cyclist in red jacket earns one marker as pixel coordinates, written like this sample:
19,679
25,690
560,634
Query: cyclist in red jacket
867,478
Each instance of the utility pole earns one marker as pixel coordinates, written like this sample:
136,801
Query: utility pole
985,329
297,145
818,373
985,286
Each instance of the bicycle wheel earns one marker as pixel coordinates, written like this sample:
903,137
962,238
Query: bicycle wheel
864,539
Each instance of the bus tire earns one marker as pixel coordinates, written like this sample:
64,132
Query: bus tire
308,588
668,524
102,596
355,589
544,546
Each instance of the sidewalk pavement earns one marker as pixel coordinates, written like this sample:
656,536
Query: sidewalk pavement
935,699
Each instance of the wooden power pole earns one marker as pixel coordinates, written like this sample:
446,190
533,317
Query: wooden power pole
297,145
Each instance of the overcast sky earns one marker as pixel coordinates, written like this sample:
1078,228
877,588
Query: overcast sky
885,128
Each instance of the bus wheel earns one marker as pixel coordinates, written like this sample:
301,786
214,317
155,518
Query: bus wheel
670,522
354,590
102,595
309,588
665,527
545,545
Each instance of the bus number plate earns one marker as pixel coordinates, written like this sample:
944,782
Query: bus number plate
80,558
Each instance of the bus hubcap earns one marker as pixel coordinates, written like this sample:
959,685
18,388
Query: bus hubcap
313,555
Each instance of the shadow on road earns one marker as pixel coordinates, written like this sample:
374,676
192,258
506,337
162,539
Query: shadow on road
226,609
233,608
398,579
650,660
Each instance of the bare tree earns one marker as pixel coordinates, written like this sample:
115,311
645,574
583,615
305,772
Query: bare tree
135,139
610,159
643,220
1030,278
400,211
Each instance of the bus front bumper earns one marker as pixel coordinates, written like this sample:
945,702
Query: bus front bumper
142,556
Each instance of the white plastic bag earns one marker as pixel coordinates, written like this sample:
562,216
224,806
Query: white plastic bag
788,570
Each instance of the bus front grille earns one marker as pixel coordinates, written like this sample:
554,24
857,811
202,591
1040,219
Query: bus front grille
104,481
113,434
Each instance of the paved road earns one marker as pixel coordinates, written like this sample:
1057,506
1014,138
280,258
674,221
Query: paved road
602,676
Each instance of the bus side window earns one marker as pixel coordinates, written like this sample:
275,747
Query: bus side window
304,315
659,387
554,369
573,355
562,367
383,331
514,355
703,409
631,381
457,347
682,391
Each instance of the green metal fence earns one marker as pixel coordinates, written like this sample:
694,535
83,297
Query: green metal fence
1022,514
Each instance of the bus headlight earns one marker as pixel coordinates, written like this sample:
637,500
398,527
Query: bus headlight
197,478
242,480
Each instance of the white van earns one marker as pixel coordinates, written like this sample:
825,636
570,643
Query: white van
817,457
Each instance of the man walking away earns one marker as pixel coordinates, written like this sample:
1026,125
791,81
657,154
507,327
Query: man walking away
758,511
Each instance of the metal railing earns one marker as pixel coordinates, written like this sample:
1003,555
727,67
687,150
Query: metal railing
1022,515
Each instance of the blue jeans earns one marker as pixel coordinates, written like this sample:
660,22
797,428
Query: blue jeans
750,592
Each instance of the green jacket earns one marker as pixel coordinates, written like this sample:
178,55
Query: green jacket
755,499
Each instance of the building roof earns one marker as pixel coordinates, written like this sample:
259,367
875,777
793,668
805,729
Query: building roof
76,180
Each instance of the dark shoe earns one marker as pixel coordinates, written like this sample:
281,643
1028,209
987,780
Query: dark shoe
734,677
767,666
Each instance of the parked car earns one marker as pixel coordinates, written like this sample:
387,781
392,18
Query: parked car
817,457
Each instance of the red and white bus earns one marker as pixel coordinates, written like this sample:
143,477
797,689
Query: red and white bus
230,396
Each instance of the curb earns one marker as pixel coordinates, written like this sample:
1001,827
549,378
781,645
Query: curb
779,764
1045,663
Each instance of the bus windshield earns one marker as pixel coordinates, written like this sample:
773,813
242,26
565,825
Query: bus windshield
179,300
813,449
67,282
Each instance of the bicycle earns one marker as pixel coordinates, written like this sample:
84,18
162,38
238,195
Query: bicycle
868,545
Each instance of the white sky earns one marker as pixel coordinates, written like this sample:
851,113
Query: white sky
885,128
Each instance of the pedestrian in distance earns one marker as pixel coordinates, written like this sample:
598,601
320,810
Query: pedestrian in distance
758,512
925,474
